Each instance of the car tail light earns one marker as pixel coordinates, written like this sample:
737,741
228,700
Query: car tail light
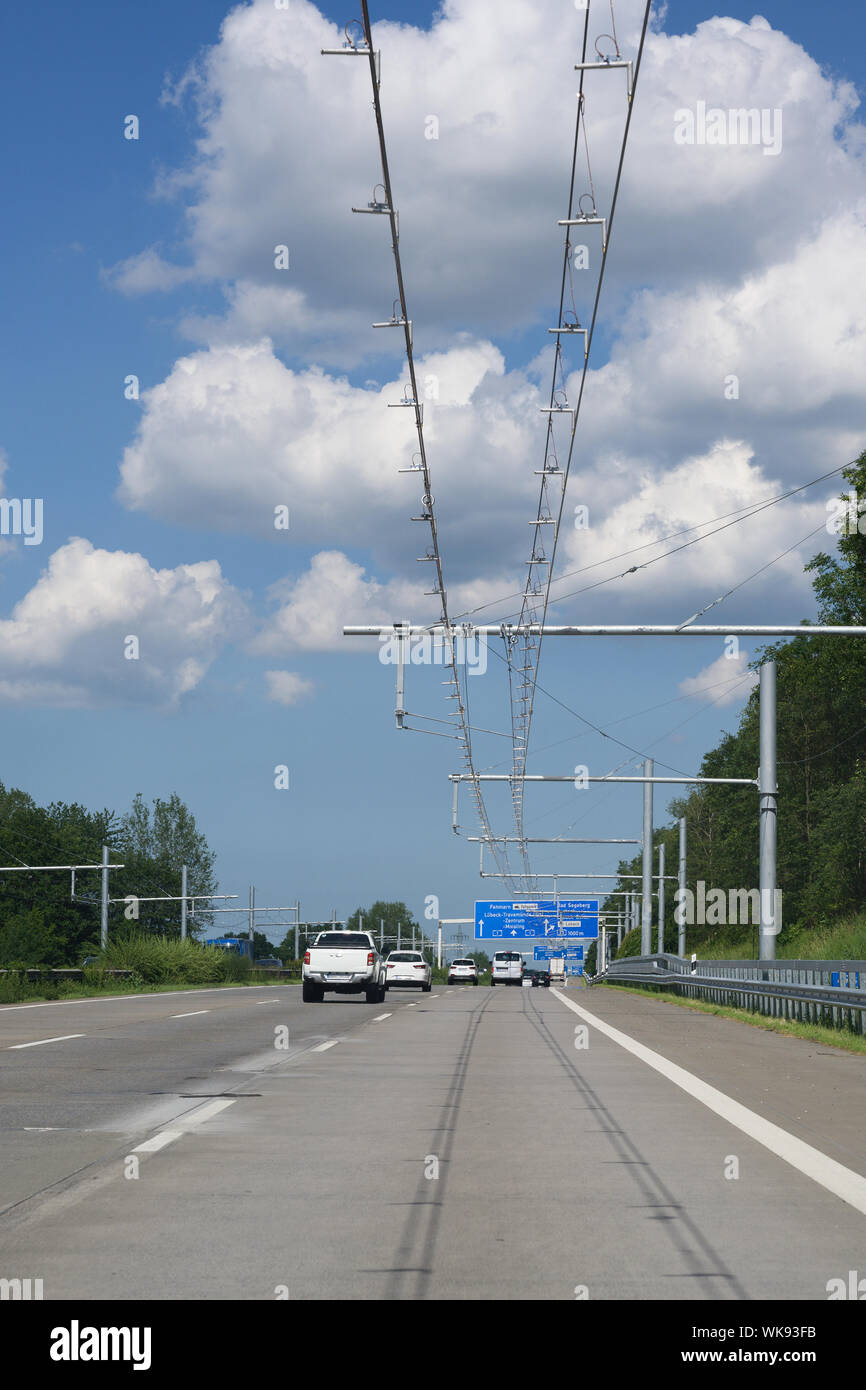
306,958
369,957
420,967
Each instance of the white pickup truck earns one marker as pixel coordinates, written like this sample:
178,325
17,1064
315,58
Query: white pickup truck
345,962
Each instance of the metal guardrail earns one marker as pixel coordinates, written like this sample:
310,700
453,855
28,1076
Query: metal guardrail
831,992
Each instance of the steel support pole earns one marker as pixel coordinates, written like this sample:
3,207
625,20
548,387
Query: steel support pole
400,709
252,917
103,914
183,888
439,945
297,926
681,884
646,923
399,926
381,934
767,796
661,936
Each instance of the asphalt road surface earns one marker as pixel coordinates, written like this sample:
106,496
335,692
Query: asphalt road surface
465,1144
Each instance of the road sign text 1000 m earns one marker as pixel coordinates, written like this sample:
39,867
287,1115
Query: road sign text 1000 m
575,917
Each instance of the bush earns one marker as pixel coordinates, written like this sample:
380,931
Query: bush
236,967
631,944
160,959
27,936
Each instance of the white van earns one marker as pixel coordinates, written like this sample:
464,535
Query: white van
507,968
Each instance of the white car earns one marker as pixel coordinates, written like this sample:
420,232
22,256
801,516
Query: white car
345,962
463,972
408,968
507,968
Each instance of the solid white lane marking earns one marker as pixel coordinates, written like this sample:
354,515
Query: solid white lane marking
835,1177
189,1122
158,1141
63,1038
323,1047
195,1013
206,1112
125,998
381,1016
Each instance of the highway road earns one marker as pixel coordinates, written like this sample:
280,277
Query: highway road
238,1144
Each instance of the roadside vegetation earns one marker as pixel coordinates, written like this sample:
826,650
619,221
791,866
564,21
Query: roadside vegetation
822,783
43,924
155,962
845,1039
845,941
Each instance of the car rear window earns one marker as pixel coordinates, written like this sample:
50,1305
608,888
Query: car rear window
405,956
344,939
508,955
463,962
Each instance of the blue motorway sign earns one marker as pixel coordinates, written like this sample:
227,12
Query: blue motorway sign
551,952
575,917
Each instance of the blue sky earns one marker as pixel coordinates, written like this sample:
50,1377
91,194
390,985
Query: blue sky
368,810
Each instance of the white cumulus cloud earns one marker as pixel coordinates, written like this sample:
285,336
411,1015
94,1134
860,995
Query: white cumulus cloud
709,681
102,627
286,687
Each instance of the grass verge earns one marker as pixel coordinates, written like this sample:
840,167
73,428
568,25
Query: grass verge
840,1038
80,989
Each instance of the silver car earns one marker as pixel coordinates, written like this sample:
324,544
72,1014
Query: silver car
462,972
408,968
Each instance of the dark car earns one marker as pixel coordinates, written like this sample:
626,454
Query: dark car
538,977
267,963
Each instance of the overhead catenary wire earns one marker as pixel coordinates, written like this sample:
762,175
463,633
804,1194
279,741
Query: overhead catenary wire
744,513
743,582
732,681
519,701
428,501
596,302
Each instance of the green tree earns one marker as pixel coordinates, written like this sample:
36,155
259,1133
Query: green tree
394,915
27,938
155,842
56,834
821,735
